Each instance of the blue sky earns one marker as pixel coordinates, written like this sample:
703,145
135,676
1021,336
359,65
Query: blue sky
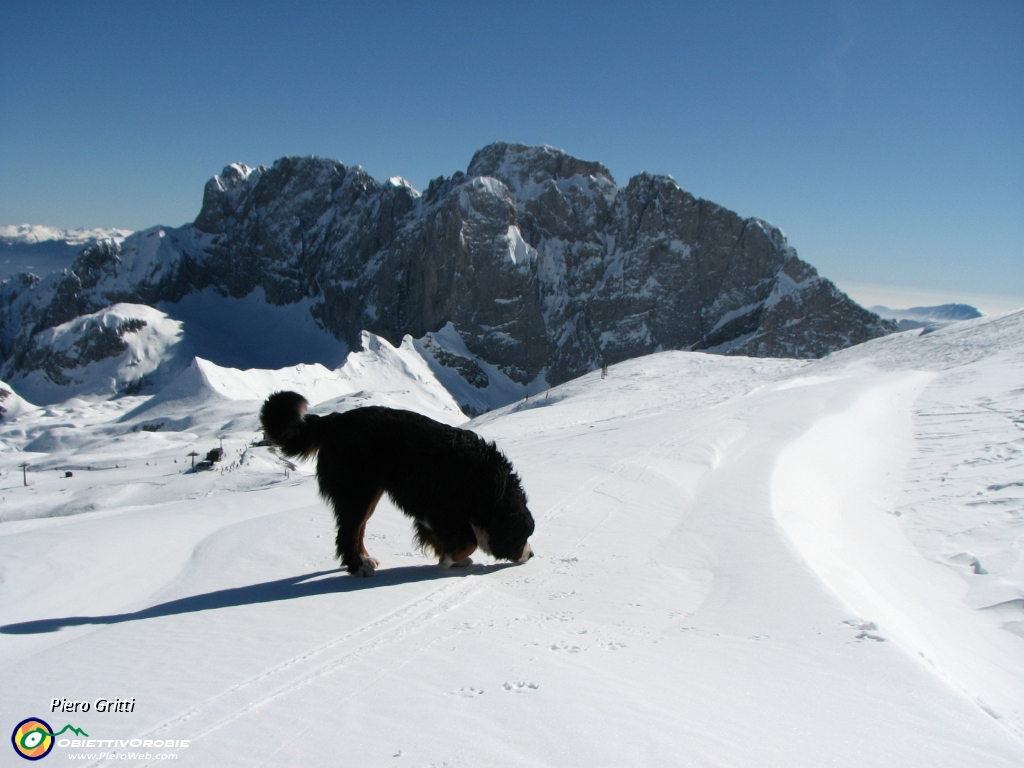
886,139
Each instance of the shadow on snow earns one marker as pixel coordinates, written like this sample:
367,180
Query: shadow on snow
292,588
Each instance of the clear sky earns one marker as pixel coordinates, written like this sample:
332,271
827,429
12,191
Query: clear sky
886,139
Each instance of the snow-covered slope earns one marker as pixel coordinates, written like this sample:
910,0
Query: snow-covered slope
125,348
386,375
476,385
203,402
739,562
11,405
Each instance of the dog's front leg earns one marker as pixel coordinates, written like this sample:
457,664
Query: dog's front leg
350,552
349,543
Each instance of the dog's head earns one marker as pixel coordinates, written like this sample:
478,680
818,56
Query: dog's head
525,555
517,549
282,414
512,524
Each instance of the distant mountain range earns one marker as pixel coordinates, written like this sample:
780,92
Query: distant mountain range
39,249
923,317
531,268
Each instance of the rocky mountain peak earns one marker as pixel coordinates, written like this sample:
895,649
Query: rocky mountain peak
535,261
518,165
234,173
239,190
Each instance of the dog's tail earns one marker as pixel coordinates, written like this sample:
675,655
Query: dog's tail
286,424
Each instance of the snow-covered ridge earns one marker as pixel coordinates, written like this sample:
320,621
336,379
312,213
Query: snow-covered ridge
124,349
131,349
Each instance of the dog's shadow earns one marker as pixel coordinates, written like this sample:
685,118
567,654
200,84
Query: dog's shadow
292,588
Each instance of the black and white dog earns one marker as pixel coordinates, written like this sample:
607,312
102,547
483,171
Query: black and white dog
459,489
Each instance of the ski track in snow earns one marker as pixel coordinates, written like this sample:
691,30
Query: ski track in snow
404,620
739,562
407,619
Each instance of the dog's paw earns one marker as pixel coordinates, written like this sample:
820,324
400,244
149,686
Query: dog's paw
364,570
373,562
446,562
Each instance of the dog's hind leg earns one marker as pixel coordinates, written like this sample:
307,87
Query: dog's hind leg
352,511
367,560
427,539
459,559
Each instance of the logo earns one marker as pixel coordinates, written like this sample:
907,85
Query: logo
33,738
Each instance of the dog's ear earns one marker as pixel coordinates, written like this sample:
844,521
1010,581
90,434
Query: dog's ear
500,482
501,471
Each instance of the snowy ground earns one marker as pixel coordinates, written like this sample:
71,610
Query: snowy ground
739,562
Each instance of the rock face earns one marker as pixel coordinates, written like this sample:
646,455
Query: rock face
541,263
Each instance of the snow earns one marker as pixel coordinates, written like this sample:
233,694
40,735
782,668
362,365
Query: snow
149,252
728,317
156,350
43,250
480,185
28,234
12,405
832,494
233,174
944,313
398,181
739,562
499,390
786,286
520,252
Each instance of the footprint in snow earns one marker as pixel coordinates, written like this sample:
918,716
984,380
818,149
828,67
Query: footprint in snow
520,686
469,693
563,646
866,628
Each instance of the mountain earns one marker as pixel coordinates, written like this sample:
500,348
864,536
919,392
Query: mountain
535,262
11,405
922,317
121,349
39,249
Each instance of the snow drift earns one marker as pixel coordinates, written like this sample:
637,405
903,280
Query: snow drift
739,562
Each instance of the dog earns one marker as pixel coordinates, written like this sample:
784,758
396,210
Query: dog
460,490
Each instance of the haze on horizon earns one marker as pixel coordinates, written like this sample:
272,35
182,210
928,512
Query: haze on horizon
883,138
